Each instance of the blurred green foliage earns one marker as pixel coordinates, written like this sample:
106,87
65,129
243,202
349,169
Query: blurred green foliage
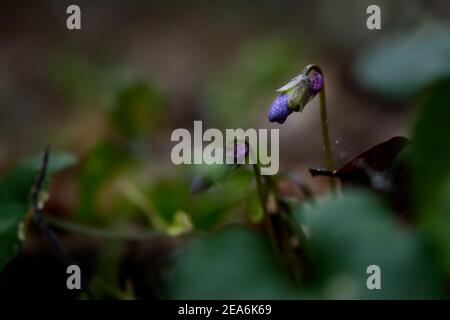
134,106
138,107
12,214
431,165
102,165
83,80
245,88
210,208
356,230
347,235
234,263
119,184
134,111
401,65
169,196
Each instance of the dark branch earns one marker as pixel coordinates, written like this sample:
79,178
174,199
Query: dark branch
37,210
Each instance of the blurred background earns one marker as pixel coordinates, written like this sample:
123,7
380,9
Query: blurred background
106,98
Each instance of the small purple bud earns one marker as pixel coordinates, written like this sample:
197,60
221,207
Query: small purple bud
315,82
279,110
240,152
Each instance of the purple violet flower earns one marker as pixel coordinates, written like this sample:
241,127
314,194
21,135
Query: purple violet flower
279,110
315,82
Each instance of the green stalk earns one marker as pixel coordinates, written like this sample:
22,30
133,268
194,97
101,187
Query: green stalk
294,266
263,194
324,123
259,186
326,137
263,199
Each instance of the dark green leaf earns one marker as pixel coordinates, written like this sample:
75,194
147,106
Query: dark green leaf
431,167
11,214
354,231
235,263
403,64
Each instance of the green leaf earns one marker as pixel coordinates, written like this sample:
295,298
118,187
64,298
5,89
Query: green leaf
14,196
354,231
235,263
58,161
400,65
431,167
17,183
11,214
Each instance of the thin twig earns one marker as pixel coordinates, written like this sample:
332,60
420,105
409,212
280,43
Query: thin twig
37,211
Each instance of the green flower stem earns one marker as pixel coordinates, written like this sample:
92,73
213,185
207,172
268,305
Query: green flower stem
326,137
263,199
293,265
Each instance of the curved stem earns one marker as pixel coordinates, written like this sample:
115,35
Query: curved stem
324,123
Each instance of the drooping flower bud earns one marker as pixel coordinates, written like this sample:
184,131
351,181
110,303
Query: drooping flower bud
279,110
296,94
